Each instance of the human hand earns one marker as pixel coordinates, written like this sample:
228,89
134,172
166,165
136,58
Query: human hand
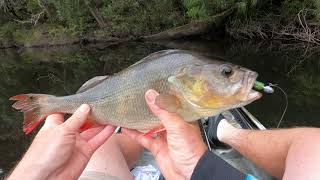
59,151
177,150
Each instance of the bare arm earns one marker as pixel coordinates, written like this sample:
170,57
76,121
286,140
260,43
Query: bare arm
287,153
303,158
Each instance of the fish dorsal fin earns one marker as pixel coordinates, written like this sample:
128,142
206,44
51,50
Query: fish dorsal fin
138,62
156,55
91,83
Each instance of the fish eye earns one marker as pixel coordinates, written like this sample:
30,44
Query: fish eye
226,71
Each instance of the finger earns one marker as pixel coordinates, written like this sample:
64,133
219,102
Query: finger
78,118
96,141
139,137
52,121
88,134
171,121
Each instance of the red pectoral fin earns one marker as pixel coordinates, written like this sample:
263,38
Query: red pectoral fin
168,102
154,130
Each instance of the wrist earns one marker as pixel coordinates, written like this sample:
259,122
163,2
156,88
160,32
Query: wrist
31,171
30,167
199,152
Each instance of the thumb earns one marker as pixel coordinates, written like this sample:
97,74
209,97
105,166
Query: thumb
78,118
52,121
171,121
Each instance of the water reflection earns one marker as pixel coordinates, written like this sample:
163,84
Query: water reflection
61,71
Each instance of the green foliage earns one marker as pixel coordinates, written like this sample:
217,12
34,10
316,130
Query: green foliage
253,3
13,8
292,7
125,18
317,8
196,9
73,13
73,18
242,8
139,17
32,6
7,29
220,5
204,9
34,36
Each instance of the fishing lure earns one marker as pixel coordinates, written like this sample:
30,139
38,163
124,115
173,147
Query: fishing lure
261,86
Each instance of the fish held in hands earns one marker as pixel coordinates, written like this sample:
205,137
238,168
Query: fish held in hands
189,84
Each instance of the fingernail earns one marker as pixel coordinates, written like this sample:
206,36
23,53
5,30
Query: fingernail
151,96
84,108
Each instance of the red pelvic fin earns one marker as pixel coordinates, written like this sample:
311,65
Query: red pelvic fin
29,128
154,130
88,124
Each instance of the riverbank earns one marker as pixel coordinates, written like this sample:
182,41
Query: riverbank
53,36
49,23
45,35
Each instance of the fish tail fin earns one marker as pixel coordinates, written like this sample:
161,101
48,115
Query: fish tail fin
34,109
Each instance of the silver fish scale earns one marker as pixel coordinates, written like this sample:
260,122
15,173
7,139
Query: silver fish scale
119,100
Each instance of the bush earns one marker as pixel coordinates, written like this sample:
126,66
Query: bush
6,30
124,18
196,9
317,8
139,17
73,13
204,9
292,7
32,6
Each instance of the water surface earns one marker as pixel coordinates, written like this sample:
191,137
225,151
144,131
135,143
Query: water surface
61,71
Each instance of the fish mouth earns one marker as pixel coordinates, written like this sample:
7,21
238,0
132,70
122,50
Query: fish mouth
248,81
253,95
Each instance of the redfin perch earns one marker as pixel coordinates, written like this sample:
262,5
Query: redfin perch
189,84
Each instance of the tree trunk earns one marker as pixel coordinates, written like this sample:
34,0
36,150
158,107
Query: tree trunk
192,28
95,13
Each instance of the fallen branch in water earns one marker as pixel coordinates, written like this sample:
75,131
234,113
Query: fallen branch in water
193,28
299,29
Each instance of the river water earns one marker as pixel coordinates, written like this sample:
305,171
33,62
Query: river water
61,71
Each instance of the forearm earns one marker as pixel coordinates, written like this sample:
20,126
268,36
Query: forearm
268,149
30,167
27,171
303,159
